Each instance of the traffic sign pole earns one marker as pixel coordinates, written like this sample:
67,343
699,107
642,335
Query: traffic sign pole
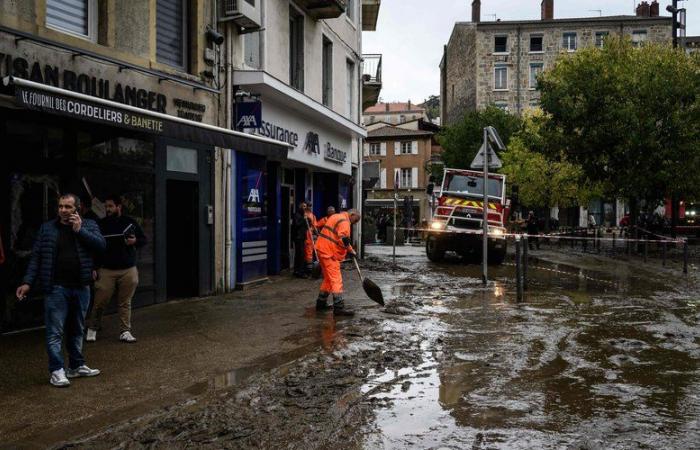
485,210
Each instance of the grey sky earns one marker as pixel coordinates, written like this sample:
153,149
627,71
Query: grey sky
411,33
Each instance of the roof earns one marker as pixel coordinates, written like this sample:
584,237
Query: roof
394,107
559,21
396,132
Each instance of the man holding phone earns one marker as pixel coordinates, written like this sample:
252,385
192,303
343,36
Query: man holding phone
61,266
117,272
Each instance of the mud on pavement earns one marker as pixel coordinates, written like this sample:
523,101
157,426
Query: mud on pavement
592,360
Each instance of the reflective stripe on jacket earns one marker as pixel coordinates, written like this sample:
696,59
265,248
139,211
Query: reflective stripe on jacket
330,240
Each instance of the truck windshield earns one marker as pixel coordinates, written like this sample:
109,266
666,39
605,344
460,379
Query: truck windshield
474,186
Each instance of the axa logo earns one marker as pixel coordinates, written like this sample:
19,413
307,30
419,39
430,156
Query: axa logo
254,196
247,122
312,145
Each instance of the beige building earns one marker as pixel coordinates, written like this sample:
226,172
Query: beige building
497,63
393,113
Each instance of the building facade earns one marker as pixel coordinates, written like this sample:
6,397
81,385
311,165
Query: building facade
301,62
497,63
394,113
123,98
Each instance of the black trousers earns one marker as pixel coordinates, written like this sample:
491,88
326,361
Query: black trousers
299,263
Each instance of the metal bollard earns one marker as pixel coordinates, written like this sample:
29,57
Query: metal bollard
526,248
663,253
518,270
685,256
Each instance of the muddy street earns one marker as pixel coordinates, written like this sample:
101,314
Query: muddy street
600,355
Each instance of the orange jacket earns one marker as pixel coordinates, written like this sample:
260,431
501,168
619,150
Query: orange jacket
321,222
330,240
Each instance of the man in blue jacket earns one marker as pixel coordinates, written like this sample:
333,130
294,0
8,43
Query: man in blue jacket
61,266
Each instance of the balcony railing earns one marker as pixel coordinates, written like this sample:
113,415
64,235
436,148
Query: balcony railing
371,79
323,9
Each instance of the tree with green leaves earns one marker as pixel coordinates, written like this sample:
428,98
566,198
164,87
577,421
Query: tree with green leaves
630,117
461,141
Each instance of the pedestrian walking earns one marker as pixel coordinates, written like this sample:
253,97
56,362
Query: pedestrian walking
332,247
299,238
309,240
533,229
61,266
117,271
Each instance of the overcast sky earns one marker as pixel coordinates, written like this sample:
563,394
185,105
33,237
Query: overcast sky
411,35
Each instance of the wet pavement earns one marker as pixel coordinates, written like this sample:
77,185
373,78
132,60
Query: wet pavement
602,354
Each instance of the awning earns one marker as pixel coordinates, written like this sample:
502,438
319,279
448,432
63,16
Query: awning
50,99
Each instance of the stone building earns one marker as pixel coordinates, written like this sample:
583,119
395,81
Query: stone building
497,63
392,113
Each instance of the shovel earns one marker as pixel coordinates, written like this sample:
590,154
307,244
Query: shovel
370,287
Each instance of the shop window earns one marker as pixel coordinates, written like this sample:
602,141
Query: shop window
78,17
296,49
181,159
171,32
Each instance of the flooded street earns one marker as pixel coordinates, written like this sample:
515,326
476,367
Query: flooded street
600,355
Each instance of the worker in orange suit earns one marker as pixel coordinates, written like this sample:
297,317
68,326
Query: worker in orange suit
322,221
332,246
309,242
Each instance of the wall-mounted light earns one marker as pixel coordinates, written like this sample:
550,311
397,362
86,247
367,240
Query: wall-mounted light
214,36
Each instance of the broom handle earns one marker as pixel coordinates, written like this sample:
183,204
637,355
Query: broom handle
313,242
357,266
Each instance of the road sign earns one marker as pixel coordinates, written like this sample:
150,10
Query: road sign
494,161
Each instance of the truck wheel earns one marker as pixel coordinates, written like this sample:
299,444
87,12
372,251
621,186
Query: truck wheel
434,249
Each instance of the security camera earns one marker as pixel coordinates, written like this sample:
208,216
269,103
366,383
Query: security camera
215,37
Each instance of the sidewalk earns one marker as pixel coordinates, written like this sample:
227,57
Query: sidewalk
184,348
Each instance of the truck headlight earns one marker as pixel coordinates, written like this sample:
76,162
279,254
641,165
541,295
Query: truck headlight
437,225
498,232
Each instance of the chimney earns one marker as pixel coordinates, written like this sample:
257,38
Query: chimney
547,9
476,11
386,106
643,9
654,9
409,104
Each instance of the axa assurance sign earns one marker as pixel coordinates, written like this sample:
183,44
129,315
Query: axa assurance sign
310,142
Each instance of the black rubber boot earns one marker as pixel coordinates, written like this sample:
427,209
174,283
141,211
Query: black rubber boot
322,302
339,307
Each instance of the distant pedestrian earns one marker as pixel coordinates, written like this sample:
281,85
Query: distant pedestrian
61,266
533,229
117,272
299,238
591,221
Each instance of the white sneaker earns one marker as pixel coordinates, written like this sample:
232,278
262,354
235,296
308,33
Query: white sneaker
127,337
91,335
82,371
58,378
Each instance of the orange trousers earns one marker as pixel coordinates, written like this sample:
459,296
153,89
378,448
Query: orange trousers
308,249
332,277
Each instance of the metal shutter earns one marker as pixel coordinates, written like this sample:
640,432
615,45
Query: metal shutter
69,15
170,32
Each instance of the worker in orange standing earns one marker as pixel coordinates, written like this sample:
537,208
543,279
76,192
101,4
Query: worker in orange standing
309,242
322,221
332,246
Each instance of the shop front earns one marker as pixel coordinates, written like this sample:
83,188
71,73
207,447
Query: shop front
80,125
317,169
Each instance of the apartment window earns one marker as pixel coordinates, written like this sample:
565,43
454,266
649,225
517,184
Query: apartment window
327,63
402,118
535,70
569,42
536,43
406,178
296,49
171,32
251,49
350,10
600,37
375,149
372,119
78,17
639,37
500,44
350,69
500,78
406,148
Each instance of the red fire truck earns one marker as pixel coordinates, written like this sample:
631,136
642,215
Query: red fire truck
457,224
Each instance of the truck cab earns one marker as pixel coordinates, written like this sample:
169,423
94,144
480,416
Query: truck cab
457,222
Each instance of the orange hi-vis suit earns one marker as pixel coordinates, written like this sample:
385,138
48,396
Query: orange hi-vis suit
309,242
331,251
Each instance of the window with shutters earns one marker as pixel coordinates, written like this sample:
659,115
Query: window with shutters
406,178
327,68
375,149
296,49
78,17
171,32
406,148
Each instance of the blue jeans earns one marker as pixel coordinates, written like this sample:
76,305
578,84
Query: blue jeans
64,311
